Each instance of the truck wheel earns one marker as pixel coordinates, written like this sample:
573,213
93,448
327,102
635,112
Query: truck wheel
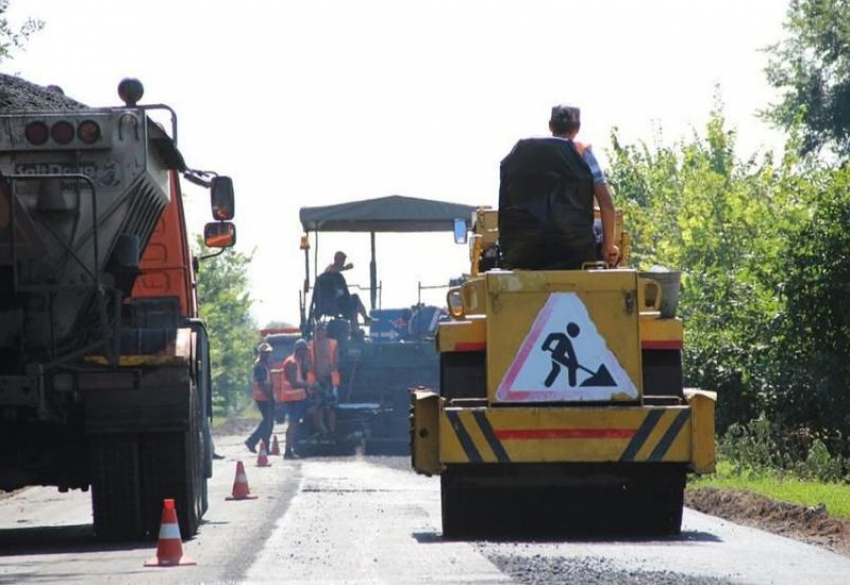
114,465
209,448
173,468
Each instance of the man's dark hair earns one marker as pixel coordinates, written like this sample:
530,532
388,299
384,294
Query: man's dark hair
564,120
564,127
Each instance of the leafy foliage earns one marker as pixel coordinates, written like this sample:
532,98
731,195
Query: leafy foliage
815,340
812,66
762,245
12,37
761,447
225,306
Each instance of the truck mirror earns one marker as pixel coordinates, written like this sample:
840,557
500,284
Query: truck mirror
221,198
460,230
219,234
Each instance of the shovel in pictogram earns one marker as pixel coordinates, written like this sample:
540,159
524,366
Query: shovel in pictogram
601,377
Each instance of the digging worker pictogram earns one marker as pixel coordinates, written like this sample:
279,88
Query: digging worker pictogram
563,354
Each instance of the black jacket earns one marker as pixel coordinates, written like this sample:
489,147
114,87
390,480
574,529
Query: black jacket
545,205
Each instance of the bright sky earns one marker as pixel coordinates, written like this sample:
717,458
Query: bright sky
312,103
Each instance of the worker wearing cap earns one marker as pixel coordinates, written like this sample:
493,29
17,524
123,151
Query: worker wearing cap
546,197
264,397
565,123
292,393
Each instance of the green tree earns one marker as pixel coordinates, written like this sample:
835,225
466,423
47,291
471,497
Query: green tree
225,306
696,208
812,68
14,37
762,245
815,344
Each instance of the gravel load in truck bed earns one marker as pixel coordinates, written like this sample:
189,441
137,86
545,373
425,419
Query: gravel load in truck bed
19,95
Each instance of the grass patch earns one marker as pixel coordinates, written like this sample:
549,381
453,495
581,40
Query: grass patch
835,496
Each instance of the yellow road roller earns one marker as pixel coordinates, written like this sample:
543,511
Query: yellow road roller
561,405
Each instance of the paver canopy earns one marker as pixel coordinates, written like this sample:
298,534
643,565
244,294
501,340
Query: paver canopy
395,213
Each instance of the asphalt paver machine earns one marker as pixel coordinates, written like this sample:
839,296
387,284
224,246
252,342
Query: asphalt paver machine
378,368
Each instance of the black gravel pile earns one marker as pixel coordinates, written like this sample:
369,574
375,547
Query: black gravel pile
19,95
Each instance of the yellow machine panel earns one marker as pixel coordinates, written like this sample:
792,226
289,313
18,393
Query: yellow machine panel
569,336
568,435
446,435
468,334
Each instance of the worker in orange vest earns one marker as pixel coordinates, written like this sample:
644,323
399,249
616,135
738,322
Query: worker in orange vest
291,386
325,375
261,385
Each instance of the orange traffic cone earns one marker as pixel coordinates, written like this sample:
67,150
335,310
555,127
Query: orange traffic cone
263,457
240,485
169,549
275,447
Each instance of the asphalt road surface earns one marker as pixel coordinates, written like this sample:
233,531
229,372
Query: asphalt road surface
371,520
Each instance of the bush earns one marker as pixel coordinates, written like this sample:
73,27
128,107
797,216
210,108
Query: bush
761,446
762,245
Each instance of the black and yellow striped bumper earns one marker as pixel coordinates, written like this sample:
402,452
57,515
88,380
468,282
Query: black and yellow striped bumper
457,435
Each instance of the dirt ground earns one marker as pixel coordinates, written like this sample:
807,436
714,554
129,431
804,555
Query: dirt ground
809,524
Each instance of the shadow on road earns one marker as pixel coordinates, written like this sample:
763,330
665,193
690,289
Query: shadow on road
38,540
685,536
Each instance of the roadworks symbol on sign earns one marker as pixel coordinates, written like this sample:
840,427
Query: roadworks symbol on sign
564,358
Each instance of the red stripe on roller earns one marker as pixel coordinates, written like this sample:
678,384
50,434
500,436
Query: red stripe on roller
671,344
530,434
471,346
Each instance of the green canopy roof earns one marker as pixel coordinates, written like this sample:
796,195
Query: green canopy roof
386,214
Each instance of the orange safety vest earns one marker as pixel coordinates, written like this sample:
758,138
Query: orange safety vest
256,390
324,361
283,390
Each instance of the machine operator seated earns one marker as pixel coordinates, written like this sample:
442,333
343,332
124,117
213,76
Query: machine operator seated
546,201
331,296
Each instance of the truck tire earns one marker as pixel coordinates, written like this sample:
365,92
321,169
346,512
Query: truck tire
207,466
172,468
114,467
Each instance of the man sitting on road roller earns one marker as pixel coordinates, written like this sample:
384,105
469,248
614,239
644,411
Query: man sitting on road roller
548,186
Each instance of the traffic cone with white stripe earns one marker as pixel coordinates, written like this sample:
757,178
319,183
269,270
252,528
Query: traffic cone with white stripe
263,457
240,485
275,447
169,549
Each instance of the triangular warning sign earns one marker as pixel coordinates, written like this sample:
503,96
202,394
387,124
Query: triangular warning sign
564,359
